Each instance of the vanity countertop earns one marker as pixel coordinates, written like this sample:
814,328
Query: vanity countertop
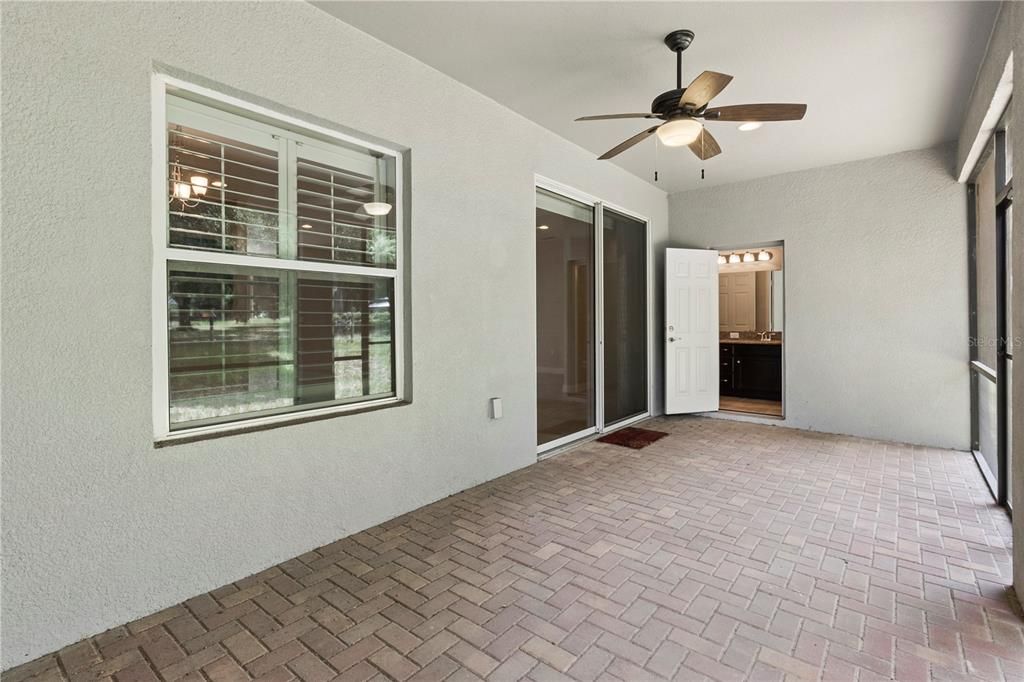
751,342
751,338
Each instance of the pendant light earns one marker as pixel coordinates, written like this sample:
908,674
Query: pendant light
764,255
734,258
748,257
377,208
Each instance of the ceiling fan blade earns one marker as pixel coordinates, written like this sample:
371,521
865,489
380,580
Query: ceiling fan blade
757,112
705,146
703,88
605,117
623,146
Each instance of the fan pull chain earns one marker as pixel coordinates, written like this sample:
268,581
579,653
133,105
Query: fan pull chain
702,153
655,158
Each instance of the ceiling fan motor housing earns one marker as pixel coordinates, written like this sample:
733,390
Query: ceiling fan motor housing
666,104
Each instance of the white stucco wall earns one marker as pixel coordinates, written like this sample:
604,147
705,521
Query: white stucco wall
98,526
876,289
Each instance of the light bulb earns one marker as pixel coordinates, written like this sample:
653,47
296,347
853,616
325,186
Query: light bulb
750,125
199,183
679,132
748,257
721,259
377,208
764,255
182,190
734,258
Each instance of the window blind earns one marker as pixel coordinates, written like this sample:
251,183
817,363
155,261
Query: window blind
223,194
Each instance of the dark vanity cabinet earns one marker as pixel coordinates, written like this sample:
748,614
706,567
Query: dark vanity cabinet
751,370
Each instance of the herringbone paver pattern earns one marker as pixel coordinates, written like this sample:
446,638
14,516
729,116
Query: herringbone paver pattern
726,551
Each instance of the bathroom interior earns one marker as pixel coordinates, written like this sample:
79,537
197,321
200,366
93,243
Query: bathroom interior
751,316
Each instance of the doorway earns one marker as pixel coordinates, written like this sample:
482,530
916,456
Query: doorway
751,312
593,317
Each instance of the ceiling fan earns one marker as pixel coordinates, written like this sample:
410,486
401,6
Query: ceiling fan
679,109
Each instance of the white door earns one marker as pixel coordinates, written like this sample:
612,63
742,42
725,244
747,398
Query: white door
691,331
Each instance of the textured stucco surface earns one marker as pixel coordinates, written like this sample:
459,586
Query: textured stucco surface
1007,38
876,289
98,526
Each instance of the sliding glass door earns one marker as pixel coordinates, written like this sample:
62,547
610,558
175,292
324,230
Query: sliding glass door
991,316
624,261
592,318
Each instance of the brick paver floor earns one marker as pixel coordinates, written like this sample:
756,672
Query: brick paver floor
728,551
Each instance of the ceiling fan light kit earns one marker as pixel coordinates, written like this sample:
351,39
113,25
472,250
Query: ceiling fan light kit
679,110
679,132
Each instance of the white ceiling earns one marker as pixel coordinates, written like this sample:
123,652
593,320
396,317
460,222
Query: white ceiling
877,78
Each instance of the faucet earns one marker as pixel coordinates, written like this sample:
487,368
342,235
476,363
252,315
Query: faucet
766,336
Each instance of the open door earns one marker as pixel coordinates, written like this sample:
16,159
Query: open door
691,331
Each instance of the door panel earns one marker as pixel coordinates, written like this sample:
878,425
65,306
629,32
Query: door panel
624,328
691,331
565,317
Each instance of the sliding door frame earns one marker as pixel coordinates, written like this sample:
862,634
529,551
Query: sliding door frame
996,146
598,205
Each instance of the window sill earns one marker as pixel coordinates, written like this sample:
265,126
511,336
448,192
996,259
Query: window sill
276,421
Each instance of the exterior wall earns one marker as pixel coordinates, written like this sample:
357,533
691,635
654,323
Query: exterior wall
1007,38
98,526
876,289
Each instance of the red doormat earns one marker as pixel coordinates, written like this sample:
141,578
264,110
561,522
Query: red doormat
632,437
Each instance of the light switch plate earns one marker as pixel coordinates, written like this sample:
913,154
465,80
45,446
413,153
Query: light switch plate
734,335
495,408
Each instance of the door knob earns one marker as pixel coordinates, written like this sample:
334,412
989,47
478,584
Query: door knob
670,339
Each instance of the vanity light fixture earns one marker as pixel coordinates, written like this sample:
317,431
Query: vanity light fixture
377,208
764,255
721,259
748,257
734,258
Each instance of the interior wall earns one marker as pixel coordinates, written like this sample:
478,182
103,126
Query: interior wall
98,526
876,289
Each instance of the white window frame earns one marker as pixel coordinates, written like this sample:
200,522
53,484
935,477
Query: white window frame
163,85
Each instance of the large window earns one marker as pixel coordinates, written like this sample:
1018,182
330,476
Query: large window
279,258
